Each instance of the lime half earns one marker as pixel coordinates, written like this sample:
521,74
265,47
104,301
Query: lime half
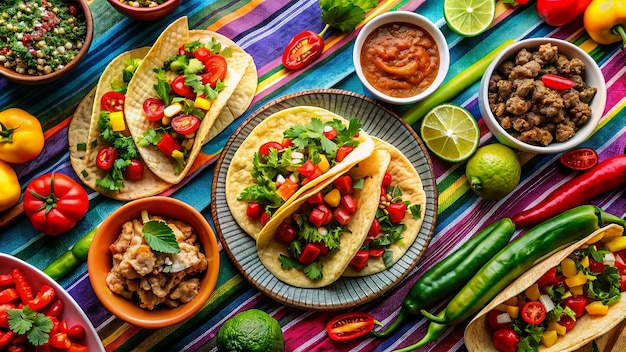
469,18
450,132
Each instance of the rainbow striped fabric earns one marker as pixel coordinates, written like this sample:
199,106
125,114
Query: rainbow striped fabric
263,28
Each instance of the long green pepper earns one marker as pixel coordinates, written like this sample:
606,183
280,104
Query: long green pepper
72,258
452,272
519,256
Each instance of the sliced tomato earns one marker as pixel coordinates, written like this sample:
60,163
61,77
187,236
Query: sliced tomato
376,252
185,124
579,159
567,322
106,158
533,312
309,254
349,325
202,53
134,170
557,82
264,149
112,101
215,67
153,108
307,169
179,87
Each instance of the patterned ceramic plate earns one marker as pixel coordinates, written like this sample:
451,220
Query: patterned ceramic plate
346,292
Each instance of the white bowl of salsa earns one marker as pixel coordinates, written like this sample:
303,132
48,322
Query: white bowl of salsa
401,57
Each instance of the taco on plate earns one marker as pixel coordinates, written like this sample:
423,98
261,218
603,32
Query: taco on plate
561,304
286,155
182,87
397,221
310,243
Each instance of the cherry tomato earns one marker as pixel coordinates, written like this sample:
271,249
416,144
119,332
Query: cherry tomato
387,179
579,159
505,340
397,211
304,48
285,233
264,149
492,319
577,304
265,218
76,333
254,210
153,108
567,322
557,82
106,158
331,133
374,229
596,266
134,170
202,53
185,124
215,67
533,312
112,101
349,325
179,87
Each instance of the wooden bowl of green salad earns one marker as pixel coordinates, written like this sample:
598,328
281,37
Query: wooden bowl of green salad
49,42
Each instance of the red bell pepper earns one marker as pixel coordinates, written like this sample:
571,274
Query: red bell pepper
560,12
309,254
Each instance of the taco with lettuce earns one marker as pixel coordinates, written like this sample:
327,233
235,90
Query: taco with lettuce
182,88
310,243
564,302
286,155
397,221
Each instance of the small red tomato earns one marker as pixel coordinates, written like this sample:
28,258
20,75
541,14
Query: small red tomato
349,325
577,304
492,319
202,53
112,101
505,340
185,124
134,170
374,229
343,184
579,159
285,233
105,159
264,149
265,218
349,203
397,211
557,82
76,333
304,48
153,108
567,322
533,312
254,210
387,179
179,87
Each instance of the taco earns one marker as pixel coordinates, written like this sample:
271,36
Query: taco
106,159
287,154
397,221
567,300
310,243
179,92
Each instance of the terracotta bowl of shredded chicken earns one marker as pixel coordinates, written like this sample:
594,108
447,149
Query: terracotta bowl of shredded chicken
154,262
542,95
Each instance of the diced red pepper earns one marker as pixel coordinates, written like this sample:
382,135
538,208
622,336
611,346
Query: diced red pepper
55,309
309,254
319,215
60,340
76,347
317,198
374,229
596,266
349,203
387,179
342,152
322,246
376,252
360,260
331,133
343,184
287,189
168,144
9,295
342,216
397,211
22,285
6,280
43,298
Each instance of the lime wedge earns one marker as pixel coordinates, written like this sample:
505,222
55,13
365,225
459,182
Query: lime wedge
450,132
469,18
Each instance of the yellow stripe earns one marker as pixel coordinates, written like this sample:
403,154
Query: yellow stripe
612,113
234,15
588,45
115,334
452,193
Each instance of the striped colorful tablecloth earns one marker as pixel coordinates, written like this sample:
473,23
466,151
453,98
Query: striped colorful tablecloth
263,29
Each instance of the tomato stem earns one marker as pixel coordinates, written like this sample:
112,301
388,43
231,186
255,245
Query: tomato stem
321,34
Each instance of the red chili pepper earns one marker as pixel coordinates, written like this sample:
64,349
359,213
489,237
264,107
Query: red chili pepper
8,295
6,280
55,309
22,285
44,297
303,49
557,82
607,175
559,12
6,338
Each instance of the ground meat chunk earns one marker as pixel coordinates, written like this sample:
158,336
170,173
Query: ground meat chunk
528,70
565,131
546,53
505,88
517,105
523,86
523,56
506,67
536,136
587,94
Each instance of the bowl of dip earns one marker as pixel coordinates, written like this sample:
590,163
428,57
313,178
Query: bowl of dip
145,10
26,53
401,57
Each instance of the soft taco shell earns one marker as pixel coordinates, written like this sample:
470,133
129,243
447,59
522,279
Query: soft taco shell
478,336
239,177
141,87
333,264
405,176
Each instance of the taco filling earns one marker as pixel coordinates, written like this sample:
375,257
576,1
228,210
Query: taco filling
179,104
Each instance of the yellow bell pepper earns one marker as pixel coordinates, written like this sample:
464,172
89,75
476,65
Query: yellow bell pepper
616,244
323,165
576,280
597,308
11,190
117,121
333,198
21,136
568,267
532,292
549,338
605,20
560,329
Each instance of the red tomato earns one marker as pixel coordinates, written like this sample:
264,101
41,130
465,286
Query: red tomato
304,48
112,101
620,261
331,133
264,149
167,145
76,332
596,266
505,340
342,216
310,252
579,159
349,325
343,152
322,246
307,169
254,210
55,203
551,278
317,198
360,259
533,312
492,319
387,179
153,108
202,53
557,82
285,233
185,124
349,203
134,170
577,304
60,340
265,218
105,159
376,252
397,211
343,184
622,282
567,322
179,87
215,67
374,229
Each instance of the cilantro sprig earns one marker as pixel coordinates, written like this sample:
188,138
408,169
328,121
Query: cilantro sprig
158,235
345,15
36,326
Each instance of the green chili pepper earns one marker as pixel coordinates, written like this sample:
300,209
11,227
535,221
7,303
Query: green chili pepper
451,273
520,255
72,258
433,333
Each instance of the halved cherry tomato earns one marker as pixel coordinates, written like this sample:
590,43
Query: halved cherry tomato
310,252
167,145
533,312
397,211
557,82
179,87
304,48
254,210
505,340
153,108
134,170
106,158
579,159
359,261
349,325
185,124
112,101
343,152
577,304
264,149
202,53
285,233
215,67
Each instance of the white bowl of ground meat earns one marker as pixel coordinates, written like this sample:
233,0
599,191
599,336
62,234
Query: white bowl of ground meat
542,95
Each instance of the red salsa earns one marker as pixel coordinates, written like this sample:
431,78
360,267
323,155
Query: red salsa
400,59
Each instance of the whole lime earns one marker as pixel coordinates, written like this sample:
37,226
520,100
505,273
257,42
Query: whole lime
493,171
251,331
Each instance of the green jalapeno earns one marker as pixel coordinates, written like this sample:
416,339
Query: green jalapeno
451,273
434,332
520,255
72,258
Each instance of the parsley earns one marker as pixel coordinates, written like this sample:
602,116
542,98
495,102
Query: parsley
314,271
345,15
160,237
34,325
162,87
